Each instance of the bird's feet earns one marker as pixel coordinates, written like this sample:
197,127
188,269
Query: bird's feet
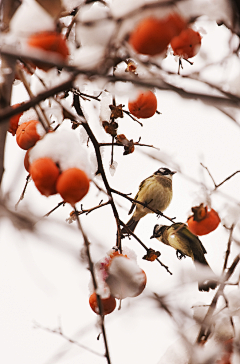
180,255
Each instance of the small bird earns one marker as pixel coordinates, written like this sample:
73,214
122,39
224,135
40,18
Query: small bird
155,192
179,237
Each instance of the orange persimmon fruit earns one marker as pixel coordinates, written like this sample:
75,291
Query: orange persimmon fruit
152,35
73,185
44,173
13,123
144,106
186,44
203,221
26,160
108,304
27,134
49,41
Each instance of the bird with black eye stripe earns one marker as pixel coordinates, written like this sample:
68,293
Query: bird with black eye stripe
154,192
179,237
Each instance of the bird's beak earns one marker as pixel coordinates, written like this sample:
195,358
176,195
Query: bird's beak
151,237
173,172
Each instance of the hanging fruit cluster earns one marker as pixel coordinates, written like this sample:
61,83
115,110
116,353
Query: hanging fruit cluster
153,35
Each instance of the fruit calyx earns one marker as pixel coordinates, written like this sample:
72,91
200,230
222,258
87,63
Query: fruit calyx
199,212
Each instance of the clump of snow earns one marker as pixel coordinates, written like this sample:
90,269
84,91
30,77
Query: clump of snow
223,329
32,115
88,57
231,216
40,129
100,31
113,167
29,18
63,147
27,116
233,298
105,112
69,5
125,278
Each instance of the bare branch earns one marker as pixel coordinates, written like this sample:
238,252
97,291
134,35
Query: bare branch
58,331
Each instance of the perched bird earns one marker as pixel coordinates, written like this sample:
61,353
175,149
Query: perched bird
154,192
179,237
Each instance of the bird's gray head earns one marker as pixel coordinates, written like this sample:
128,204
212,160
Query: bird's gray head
158,231
165,172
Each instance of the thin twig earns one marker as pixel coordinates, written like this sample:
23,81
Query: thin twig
76,104
159,213
59,332
221,183
93,208
120,145
99,302
129,114
24,191
62,203
205,331
40,112
227,253
143,245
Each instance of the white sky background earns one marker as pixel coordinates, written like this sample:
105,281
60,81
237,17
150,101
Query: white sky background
41,278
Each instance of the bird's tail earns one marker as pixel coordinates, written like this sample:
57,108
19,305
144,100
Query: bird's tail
131,224
205,274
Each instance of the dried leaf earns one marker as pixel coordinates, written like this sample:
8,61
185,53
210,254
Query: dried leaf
129,148
110,128
116,111
151,255
53,7
121,139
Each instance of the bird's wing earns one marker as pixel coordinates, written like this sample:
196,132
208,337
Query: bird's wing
136,197
183,231
133,205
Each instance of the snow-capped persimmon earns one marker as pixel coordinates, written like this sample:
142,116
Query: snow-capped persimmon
108,304
186,44
51,42
125,278
144,106
73,185
152,35
27,134
13,123
203,221
45,173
